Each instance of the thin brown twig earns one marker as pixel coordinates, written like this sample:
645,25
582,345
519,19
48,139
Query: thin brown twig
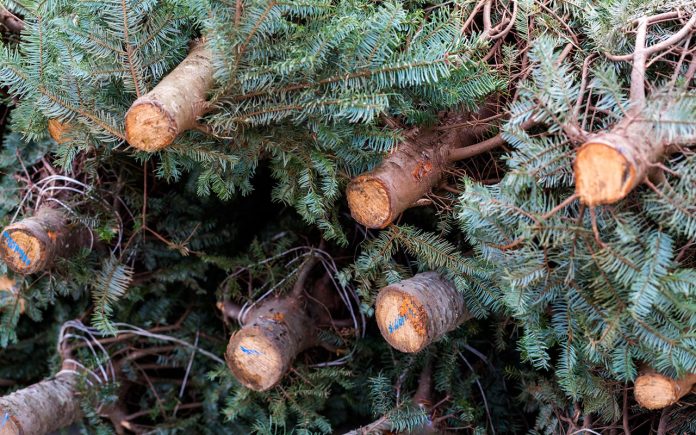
595,230
503,33
560,206
626,426
496,141
691,71
303,274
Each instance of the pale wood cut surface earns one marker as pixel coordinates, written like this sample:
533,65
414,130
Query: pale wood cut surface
656,391
174,105
603,175
415,312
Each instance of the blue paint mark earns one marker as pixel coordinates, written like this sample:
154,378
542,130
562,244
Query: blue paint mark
5,419
249,351
9,241
400,321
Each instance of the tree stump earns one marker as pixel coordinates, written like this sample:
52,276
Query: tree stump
262,351
610,165
377,197
33,244
415,312
655,391
174,105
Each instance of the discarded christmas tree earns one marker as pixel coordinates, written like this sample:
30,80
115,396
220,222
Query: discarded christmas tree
490,223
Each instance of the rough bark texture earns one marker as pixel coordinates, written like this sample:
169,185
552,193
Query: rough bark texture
41,408
610,165
378,197
33,244
262,351
173,106
417,311
656,391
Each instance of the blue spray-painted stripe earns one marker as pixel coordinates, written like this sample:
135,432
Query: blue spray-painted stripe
400,321
9,241
5,419
249,351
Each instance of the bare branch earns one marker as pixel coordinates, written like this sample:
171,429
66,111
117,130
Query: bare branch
303,274
496,141
674,39
637,95
11,21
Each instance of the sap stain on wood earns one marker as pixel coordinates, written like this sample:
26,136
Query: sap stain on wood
422,169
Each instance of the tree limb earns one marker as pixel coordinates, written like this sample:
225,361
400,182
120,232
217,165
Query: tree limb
11,21
681,34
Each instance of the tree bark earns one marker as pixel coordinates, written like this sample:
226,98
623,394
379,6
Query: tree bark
33,244
656,391
611,164
10,21
262,351
378,197
418,311
41,408
174,105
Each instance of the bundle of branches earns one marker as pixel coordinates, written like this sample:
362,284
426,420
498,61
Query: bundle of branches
304,85
590,232
577,243
105,377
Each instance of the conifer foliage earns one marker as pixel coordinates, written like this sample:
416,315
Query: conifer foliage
347,216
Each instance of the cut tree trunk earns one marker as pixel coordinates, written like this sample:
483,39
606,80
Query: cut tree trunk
409,172
41,408
33,244
262,351
656,391
10,21
418,311
610,165
174,105
377,197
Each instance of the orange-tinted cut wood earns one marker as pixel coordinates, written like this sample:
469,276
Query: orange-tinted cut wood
603,175
155,120
59,131
263,350
415,312
369,202
656,391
